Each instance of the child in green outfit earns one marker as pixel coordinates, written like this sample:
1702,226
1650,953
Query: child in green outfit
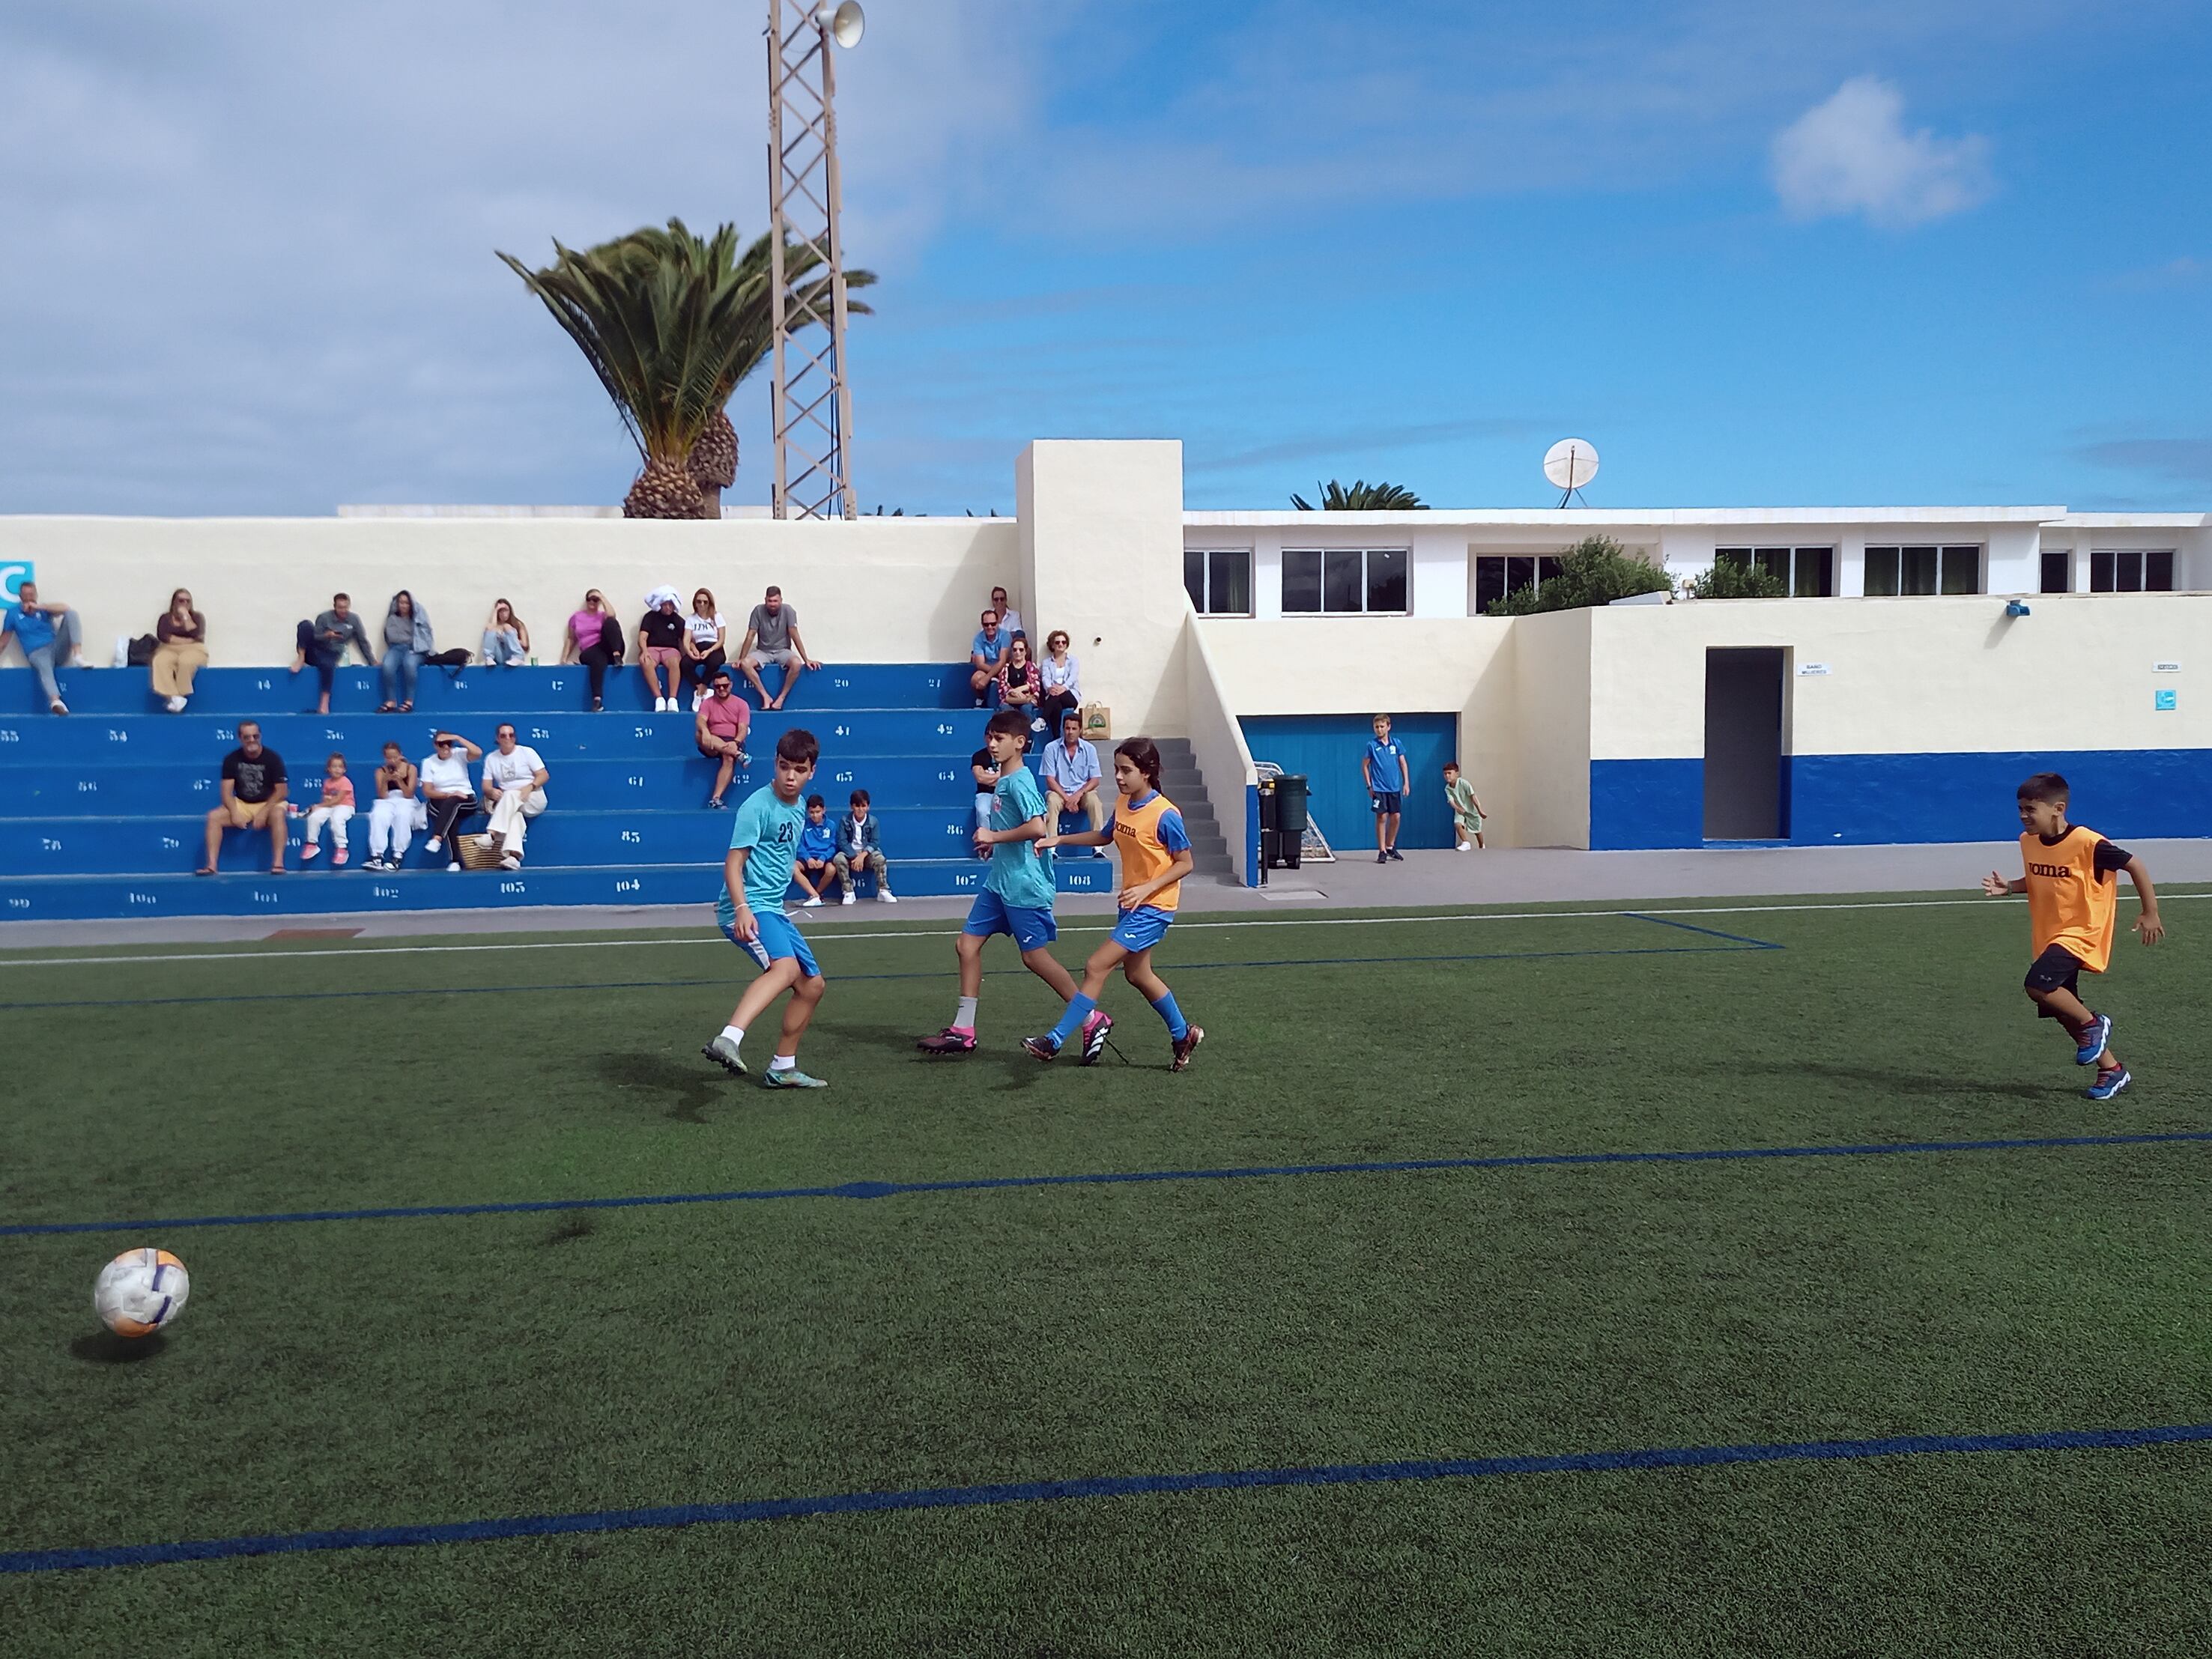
1466,810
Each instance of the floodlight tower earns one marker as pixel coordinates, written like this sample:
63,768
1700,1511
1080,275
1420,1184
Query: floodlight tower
812,403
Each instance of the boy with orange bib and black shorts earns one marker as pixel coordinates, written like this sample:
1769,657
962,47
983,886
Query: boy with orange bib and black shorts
1148,834
2073,904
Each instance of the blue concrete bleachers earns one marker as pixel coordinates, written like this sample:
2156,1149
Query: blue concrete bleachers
102,811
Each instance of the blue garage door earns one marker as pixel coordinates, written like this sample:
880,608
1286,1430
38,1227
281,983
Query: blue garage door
1326,748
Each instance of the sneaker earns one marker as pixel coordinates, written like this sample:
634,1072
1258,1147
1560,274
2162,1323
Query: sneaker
1464,847
1096,1031
1041,1048
2094,1042
176,705
698,697
724,1053
310,852
814,902
789,1077
886,896
1397,857
338,858
1381,858
58,706
948,1041
454,865
598,706
431,845
716,804
2109,1084
1186,1045
850,897
510,862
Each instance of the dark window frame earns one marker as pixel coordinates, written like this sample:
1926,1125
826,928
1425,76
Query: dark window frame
1791,564
1205,590
1332,577
1917,570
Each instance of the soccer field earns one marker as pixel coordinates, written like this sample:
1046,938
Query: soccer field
1390,1326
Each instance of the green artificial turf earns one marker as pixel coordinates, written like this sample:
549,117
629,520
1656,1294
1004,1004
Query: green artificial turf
374,1372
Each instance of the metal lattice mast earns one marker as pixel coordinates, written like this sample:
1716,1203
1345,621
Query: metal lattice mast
812,404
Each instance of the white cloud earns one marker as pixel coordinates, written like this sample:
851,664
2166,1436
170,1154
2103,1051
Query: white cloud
1852,155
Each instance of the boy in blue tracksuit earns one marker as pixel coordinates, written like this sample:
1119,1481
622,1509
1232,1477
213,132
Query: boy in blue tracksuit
1017,889
817,848
763,845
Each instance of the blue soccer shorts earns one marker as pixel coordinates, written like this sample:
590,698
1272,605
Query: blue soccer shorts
778,940
1031,926
1141,929
1388,804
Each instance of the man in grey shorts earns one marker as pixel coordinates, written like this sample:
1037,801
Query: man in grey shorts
772,637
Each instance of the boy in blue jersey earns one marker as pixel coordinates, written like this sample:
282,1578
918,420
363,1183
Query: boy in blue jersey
763,842
1017,889
1383,769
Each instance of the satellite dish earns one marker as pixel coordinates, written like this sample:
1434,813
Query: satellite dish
843,22
1571,463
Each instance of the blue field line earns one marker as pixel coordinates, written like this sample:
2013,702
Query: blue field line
1744,940
841,979
1096,1486
864,1190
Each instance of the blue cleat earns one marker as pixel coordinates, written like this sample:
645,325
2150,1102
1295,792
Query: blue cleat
2097,1039
2109,1084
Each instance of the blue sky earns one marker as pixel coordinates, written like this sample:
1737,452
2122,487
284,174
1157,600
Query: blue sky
1951,251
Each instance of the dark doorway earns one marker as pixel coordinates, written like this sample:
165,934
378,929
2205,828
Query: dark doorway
1743,745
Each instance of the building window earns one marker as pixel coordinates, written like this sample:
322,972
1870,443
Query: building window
1496,574
1219,580
1806,573
1345,581
2058,572
1891,571
2130,570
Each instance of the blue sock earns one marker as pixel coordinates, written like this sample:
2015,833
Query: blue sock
1079,1008
1166,1009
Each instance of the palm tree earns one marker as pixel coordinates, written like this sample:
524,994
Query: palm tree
1362,497
671,324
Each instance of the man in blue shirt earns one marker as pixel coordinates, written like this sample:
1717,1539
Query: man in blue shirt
1071,776
1382,768
756,874
984,652
44,631
1017,889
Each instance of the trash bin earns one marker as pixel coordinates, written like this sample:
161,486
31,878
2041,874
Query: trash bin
1290,817
1270,834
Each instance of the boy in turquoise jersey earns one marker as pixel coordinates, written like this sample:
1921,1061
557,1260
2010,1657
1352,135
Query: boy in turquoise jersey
763,842
1017,889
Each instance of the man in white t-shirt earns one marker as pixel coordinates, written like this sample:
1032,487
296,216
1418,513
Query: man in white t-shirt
514,785
447,795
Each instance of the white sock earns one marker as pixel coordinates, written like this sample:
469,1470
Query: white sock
783,1063
735,1033
965,1019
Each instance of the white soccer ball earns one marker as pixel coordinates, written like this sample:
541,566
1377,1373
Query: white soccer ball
139,1291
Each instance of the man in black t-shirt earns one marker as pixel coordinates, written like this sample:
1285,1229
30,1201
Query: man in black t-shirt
253,792
661,646
985,771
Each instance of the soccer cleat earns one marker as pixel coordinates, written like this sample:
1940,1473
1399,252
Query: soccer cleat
724,1053
1096,1030
948,1043
789,1077
1186,1045
2094,1040
1041,1048
2109,1084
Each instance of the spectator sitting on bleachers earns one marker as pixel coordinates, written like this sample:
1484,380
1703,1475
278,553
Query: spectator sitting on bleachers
253,791
1061,676
706,641
772,635
1072,774
505,638
447,794
986,653
392,817
179,650
720,729
595,640
515,785
661,646
816,866
336,809
985,771
407,641
44,631
1018,687
861,851
1010,620
323,642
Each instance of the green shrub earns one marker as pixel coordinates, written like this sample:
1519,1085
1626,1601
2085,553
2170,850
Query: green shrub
1596,570
1738,579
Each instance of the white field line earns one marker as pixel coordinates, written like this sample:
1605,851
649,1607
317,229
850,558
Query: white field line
829,936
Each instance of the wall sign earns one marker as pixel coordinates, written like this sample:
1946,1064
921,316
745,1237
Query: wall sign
2163,702
2166,668
13,576
1806,669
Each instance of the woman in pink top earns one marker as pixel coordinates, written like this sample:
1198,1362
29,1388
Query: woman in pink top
595,640
721,727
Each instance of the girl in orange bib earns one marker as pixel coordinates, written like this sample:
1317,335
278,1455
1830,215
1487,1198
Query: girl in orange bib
2073,903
